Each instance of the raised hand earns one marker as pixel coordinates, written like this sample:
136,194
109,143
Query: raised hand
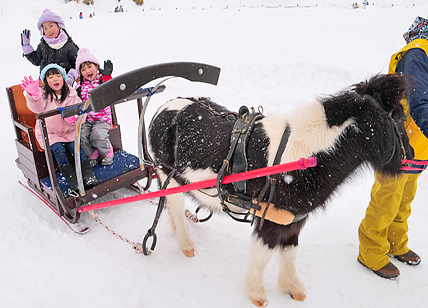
31,86
25,42
72,75
108,68
25,37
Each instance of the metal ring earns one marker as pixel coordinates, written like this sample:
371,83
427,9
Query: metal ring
206,218
144,246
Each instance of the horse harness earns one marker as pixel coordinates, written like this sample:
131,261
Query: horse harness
235,162
237,159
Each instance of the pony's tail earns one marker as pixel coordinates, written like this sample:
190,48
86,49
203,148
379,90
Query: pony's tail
386,89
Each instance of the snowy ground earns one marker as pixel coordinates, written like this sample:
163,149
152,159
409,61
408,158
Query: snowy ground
270,55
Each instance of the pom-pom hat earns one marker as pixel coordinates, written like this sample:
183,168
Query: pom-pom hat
48,67
48,15
83,55
418,29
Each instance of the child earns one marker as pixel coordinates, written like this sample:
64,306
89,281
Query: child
53,94
55,46
94,133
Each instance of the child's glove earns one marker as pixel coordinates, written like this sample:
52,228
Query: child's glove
108,68
71,76
32,87
25,42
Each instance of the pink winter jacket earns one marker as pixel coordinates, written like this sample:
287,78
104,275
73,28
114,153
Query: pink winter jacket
58,129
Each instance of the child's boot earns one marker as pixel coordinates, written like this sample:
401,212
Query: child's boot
89,179
94,157
108,158
69,173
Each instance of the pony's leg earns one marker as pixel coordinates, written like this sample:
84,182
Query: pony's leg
177,218
288,281
260,257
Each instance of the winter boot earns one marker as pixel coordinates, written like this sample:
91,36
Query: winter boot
94,157
108,158
69,173
89,179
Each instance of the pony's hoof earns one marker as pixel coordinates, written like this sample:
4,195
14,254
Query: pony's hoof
298,296
259,302
189,253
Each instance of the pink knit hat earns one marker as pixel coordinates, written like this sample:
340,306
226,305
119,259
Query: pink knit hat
83,55
48,15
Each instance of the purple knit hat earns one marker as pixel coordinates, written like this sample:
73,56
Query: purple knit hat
48,15
83,55
418,29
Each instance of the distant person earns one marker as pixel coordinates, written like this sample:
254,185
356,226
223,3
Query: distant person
80,15
383,231
53,94
56,46
120,8
116,9
94,134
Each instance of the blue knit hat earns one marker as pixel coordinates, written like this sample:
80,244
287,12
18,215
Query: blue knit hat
48,67
418,29
48,15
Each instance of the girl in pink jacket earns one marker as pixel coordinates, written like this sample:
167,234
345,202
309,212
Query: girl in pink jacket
95,130
53,94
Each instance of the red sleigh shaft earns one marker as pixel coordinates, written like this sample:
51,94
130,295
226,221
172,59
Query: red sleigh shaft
301,164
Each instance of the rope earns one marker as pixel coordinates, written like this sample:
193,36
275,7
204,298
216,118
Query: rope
61,109
191,216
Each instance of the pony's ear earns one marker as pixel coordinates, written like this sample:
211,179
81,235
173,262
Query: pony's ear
398,113
387,89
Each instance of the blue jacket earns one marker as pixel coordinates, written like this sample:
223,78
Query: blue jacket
414,63
412,60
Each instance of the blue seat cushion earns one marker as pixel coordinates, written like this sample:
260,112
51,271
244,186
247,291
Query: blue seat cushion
123,162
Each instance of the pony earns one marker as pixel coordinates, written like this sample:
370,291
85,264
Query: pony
362,125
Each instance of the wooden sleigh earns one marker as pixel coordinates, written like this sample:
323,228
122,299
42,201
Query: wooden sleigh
39,167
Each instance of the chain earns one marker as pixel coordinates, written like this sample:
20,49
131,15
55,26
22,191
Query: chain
138,247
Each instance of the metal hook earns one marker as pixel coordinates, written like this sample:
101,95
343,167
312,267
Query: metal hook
150,233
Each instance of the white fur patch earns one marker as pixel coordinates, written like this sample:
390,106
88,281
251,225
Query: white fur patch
204,195
174,104
310,133
259,258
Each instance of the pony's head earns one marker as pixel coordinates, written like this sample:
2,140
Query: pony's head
385,93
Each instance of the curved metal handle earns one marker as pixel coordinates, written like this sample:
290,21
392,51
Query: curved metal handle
115,89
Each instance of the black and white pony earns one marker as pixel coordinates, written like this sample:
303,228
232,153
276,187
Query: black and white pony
360,126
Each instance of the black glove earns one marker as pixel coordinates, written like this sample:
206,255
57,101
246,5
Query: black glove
108,68
25,37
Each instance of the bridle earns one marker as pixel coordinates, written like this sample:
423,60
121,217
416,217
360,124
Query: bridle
396,130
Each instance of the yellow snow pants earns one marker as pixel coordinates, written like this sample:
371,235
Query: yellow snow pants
384,228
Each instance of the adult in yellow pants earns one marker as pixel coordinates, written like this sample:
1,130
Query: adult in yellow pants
383,231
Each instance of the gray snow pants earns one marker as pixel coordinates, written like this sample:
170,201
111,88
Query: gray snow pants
95,136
